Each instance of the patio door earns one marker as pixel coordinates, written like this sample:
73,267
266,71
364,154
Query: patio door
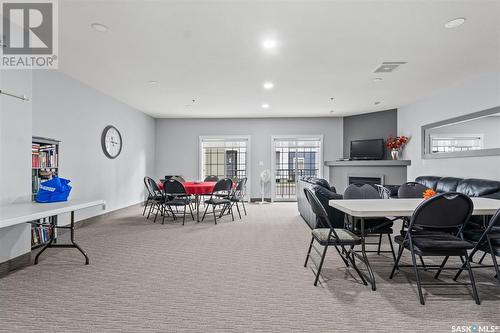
294,157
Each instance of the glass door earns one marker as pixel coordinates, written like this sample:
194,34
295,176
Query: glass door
293,158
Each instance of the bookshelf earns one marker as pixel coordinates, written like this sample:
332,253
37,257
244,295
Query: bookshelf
44,166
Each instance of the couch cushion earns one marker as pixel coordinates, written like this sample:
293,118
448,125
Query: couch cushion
478,187
428,181
447,184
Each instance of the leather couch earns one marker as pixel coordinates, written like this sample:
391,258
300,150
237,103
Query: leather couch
324,192
472,187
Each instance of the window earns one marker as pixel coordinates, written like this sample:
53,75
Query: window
451,143
224,157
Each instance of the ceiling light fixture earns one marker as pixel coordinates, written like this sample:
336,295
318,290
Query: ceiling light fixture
265,106
153,82
269,44
377,79
268,85
376,103
454,23
99,27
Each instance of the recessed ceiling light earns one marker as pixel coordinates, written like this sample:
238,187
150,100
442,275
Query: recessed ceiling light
153,82
268,85
455,23
376,79
99,27
269,44
265,106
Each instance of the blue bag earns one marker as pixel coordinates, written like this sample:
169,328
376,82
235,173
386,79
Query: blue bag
54,190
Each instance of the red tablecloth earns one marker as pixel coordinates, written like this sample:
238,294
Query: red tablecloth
193,188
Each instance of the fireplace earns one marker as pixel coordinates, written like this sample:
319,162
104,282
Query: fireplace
366,180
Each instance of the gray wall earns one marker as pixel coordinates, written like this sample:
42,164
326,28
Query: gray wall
76,114
15,157
177,142
376,125
475,94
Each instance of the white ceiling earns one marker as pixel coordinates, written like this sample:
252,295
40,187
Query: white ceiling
211,51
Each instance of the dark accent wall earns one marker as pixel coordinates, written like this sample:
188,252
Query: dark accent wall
375,125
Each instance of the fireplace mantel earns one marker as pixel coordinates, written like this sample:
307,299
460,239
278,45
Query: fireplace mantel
389,171
369,163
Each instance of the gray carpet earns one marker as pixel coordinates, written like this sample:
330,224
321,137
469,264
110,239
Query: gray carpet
235,276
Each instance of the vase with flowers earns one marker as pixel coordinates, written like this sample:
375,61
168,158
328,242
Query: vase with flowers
396,144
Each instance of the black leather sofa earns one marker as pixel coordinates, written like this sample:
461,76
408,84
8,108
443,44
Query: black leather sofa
472,187
324,192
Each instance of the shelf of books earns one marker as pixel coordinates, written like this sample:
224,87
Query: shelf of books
44,166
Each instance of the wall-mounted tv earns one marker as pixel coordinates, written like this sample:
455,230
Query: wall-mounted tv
368,149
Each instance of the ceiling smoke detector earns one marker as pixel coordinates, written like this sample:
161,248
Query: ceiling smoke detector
388,66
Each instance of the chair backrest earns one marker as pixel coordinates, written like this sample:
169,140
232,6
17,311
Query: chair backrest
173,187
148,187
211,179
443,211
361,191
179,178
317,208
411,190
223,185
239,190
153,186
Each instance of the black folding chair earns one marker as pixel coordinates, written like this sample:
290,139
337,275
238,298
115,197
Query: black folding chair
376,226
156,198
428,235
175,196
220,197
152,194
339,238
238,195
485,240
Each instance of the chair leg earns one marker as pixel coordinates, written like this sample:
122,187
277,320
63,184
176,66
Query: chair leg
460,270
400,252
392,247
494,259
309,251
472,280
184,216
422,262
150,208
482,258
191,212
417,275
238,209
320,266
145,206
441,267
213,211
157,209
231,210
205,213
243,203
353,264
379,243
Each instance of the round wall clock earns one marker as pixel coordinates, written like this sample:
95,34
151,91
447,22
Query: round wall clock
111,142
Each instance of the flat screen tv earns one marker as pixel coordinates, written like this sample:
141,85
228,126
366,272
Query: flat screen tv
367,149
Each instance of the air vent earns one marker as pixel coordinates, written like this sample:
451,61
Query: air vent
388,66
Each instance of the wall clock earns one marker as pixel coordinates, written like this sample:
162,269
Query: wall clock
111,142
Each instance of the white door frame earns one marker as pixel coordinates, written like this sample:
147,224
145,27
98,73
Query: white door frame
248,138
273,158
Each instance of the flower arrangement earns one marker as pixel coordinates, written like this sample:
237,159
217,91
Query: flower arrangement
396,142
429,193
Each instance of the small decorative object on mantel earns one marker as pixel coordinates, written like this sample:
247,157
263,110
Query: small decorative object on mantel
429,193
396,144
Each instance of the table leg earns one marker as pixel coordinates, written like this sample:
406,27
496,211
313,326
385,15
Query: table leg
51,243
197,203
53,223
363,257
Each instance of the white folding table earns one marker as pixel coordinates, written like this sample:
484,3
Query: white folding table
27,212
363,208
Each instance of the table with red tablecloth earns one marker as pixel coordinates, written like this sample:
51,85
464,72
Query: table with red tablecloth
196,189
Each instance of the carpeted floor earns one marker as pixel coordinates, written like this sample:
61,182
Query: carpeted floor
238,276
